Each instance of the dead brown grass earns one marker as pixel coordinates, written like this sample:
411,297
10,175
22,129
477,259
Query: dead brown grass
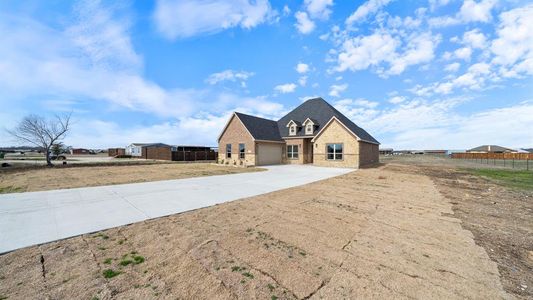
376,233
61,178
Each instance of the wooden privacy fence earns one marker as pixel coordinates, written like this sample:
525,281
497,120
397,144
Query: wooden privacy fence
194,155
507,156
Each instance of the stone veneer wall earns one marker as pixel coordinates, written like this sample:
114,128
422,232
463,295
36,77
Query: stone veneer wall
335,133
236,134
301,150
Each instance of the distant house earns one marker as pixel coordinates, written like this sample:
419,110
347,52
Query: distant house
79,151
313,133
386,151
116,151
491,149
135,149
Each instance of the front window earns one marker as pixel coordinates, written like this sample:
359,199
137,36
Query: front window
334,151
228,150
292,130
241,151
292,151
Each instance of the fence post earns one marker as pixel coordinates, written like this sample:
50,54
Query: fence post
527,164
513,162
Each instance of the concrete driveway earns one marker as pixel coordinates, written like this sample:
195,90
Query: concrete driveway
33,218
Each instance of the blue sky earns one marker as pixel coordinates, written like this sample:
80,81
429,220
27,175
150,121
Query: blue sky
416,74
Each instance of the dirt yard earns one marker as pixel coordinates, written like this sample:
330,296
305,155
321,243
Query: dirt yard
62,178
387,233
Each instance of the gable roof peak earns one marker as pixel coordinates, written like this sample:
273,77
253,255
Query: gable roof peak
319,110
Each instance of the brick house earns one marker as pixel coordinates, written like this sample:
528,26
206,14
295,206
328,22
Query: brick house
313,133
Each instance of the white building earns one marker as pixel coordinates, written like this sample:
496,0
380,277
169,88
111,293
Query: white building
135,149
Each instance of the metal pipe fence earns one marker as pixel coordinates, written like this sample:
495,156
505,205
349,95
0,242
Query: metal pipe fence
519,161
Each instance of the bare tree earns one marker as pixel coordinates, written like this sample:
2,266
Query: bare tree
41,132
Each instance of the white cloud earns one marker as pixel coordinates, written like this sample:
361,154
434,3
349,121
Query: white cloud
472,11
187,18
302,80
286,88
72,66
92,58
367,8
103,37
437,125
434,4
318,9
362,52
303,23
463,53
474,78
513,47
475,39
286,10
229,75
302,68
190,131
453,67
336,89
397,99
420,48
443,21
201,129
365,103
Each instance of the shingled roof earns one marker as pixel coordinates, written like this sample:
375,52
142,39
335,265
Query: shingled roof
491,148
259,128
320,112
317,109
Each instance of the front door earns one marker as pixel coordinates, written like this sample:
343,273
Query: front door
310,147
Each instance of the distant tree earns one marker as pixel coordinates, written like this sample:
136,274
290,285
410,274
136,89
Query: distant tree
42,132
58,148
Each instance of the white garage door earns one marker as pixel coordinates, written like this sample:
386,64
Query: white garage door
269,154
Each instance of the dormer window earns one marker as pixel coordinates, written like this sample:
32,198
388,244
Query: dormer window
309,129
292,130
309,126
293,127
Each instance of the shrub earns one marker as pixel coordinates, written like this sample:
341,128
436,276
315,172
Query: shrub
2,154
109,273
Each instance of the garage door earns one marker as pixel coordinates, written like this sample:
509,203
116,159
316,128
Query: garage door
269,154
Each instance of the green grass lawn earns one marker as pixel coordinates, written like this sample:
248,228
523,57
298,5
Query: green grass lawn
510,178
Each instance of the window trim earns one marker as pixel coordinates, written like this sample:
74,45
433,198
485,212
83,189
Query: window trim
335,152
242,151
292,154
228,151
